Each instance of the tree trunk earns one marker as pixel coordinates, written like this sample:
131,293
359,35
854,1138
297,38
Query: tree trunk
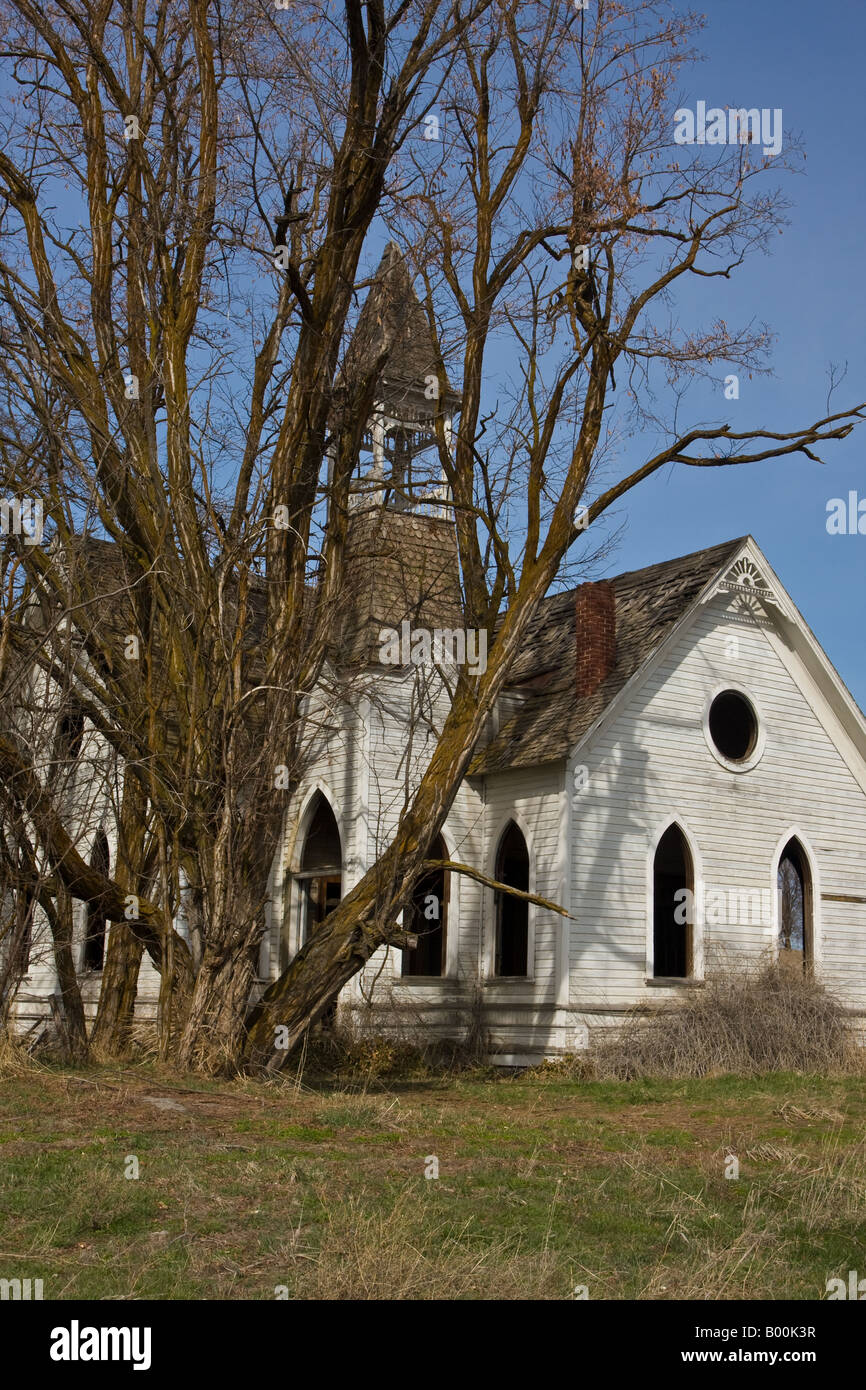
114,1016
70,994
112,1029
213,1036
234,871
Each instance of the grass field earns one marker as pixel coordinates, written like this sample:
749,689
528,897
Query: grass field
318,1190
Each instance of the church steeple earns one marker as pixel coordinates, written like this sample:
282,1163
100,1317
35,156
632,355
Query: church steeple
399,466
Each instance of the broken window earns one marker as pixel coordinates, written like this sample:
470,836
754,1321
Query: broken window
321,895
321,872
425,917
70,731
94,939
673,896
733,726
320,880
795,908
512,914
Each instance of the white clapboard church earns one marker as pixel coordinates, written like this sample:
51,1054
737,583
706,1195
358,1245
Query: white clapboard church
674,761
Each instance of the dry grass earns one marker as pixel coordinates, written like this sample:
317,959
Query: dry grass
349,1110
544,1184
347,1055
803,1197
403,1253
15,1058
740,1022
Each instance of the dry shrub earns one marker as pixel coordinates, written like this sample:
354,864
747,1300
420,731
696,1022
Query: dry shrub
342,1055
575,1066
346,1053
744,1022
14,1059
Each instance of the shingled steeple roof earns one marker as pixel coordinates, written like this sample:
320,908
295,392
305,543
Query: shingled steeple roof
393,313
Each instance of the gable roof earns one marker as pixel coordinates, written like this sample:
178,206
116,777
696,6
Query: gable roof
551,718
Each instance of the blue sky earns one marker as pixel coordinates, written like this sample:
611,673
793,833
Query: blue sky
808,60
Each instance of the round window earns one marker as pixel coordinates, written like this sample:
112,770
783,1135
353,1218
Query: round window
733,726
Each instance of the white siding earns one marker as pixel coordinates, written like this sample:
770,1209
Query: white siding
652,765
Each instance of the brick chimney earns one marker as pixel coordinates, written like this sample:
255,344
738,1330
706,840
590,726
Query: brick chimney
595,628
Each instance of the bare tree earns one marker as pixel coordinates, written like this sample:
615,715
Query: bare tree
562,217
176,384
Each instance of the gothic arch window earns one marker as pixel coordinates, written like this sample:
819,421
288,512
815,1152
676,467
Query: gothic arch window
94,938
511,952
426,918
795,908
673,906
320,876
70,732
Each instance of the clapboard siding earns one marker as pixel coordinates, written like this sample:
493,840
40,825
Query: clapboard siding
333,766
532,798
652,765
89,793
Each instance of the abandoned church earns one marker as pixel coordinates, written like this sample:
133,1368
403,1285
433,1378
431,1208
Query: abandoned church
674,762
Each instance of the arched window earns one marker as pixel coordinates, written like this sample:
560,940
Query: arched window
70,731
426,917
511,955
795,908
321,872
673,906
94,940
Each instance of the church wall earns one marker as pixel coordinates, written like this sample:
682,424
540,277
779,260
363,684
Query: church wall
394,763
518,1017
522,1016
332,768
89,793
590,850
652,765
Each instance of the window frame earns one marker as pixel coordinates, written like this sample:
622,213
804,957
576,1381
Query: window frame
697,934
291,925
812,925
444,973
499,903
101,860
508,983
757,753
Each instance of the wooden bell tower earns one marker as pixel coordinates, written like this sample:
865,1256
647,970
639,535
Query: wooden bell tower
399,466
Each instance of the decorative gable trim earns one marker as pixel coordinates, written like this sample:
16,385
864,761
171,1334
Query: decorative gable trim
752,593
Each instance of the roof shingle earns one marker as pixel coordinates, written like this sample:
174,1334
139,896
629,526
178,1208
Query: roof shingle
649,603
